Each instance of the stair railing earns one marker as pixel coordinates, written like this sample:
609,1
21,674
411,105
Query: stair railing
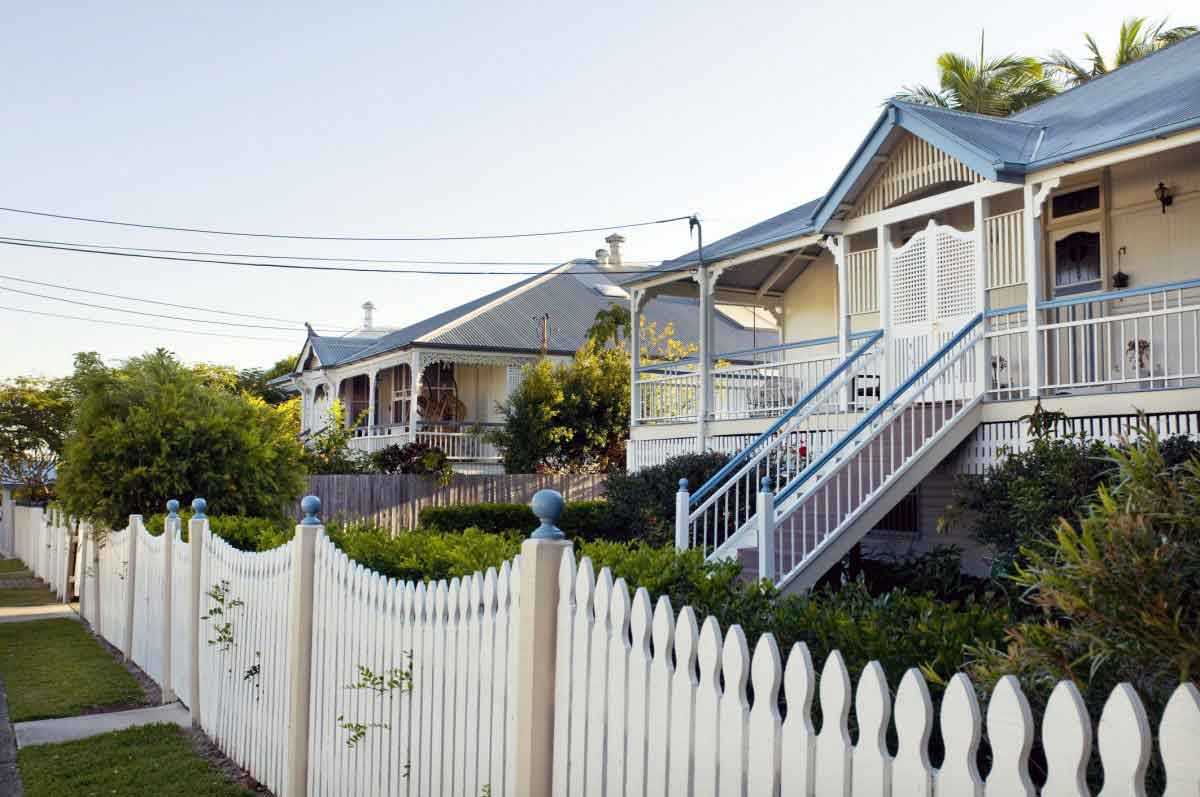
839,485
721,508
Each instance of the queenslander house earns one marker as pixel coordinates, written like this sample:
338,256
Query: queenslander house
960,269
441,381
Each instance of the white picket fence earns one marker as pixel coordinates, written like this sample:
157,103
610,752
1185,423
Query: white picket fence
630,698
43,542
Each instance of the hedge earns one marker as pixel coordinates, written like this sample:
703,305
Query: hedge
581,520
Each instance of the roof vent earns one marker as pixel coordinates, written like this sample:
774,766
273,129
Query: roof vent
368,309
602,257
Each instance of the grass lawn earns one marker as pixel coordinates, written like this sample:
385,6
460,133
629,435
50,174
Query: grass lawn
148,761
26,596
56,668
11,565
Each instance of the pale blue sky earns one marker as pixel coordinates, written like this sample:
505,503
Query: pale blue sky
402,119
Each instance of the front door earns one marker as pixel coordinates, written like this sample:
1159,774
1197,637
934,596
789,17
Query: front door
935,292
1076,356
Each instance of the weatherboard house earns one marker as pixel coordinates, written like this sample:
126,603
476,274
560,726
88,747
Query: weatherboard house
960,269
442,380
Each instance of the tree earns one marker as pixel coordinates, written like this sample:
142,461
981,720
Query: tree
991,86
252,381
154,429
1137,38
568,418
35,417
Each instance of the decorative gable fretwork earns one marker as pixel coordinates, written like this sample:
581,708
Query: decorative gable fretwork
913,165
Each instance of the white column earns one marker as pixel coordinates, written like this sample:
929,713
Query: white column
135,529
415,381
704,355
300,615
1033,283
765,518
371,383
635,354
983,371
883,281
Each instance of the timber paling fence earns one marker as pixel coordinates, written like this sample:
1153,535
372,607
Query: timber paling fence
395,501
544,678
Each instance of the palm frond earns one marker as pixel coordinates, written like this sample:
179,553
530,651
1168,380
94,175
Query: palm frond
923,95
1065,68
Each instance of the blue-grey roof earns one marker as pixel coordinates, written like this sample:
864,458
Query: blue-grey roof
508,320
1153,96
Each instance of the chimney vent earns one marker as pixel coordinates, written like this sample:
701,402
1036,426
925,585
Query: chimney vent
614,242
368,309
602,257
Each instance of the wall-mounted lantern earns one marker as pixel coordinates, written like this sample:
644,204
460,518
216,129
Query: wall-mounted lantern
1163,195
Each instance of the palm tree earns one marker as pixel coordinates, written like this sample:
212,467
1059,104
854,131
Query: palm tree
1138,38
991,86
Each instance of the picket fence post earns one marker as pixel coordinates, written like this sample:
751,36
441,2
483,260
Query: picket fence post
197,531
300,643
541,558
170,526
135,523
681,516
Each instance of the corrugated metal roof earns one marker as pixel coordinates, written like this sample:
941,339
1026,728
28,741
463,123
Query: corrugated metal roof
572,301
1151,96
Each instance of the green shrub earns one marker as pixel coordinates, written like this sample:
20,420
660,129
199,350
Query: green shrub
416,457
642,504
585,520
243,533
154,428
420,555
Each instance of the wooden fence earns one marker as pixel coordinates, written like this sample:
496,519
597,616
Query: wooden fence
395,501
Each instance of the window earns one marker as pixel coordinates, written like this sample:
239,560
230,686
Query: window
1077,263
1075,202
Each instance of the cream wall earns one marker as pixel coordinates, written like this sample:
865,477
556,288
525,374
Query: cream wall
1159,247
810,302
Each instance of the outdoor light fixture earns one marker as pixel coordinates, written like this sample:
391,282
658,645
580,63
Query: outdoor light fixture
1163,195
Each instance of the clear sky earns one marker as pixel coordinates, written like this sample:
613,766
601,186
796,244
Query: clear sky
396,119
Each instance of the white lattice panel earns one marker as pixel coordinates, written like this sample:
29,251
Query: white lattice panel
913,165
910,282
861,278
957,294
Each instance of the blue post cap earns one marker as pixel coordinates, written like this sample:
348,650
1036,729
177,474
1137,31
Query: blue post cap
172,508
310,505
548,505
683,485
766,484
198,507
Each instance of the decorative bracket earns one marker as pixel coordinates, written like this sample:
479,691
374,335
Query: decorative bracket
1039,197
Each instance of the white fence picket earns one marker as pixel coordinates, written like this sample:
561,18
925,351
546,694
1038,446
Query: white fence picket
765,723
1124,744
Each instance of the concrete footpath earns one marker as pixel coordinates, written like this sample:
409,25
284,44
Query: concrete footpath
68,729
52,611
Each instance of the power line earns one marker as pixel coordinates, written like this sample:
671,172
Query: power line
157,301
204,231
139,326
384,260
296,266
143,312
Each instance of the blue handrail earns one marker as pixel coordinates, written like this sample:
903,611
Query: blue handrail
1054,304
744,454
878,410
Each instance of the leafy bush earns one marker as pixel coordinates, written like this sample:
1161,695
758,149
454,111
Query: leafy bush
327,451
415,457
1117,593
243,533
153,428
584,520
642,505
420,555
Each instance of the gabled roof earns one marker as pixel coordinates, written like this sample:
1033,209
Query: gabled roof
507,320
1151,97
